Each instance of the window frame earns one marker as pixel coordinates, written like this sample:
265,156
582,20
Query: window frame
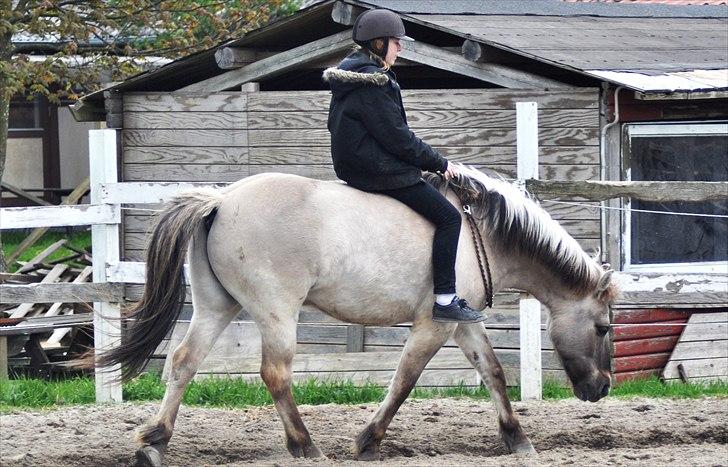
663,129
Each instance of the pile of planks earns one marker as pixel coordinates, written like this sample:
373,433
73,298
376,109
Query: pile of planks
32,331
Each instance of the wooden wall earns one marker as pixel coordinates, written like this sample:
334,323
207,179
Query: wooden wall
701,353
643,351
227,136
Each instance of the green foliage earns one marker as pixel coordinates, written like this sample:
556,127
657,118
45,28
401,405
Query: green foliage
227,392
78,239
90,37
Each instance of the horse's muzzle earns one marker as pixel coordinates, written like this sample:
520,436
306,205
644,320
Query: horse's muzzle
594,390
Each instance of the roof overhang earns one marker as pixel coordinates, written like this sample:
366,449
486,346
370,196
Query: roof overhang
694,84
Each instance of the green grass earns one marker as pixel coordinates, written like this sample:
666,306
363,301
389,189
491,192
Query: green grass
11,240
224,392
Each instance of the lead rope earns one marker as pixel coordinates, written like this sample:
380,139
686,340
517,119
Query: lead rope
479,247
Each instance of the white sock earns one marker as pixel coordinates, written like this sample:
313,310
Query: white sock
444,298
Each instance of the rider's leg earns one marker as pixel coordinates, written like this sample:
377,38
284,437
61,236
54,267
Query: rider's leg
424,199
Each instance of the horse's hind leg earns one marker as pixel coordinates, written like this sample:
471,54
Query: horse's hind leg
214,308
474,342
277,326
425,340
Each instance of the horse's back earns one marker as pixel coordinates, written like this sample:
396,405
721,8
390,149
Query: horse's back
344,249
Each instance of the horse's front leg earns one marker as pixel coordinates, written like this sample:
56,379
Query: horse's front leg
425,340
474,342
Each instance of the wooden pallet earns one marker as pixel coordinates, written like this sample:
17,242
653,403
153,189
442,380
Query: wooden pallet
32,329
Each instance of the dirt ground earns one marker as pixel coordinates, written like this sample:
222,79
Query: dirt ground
439,432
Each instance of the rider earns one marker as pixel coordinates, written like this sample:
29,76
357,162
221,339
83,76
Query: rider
374,150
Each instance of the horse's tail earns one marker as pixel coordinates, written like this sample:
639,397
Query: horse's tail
164,293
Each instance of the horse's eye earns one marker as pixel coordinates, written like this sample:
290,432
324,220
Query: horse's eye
602,329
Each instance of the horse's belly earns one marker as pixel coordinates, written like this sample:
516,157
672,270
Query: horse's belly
368,299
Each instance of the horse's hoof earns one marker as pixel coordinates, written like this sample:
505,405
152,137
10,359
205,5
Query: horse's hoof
149,456
312,452
308,451
368,455
524,448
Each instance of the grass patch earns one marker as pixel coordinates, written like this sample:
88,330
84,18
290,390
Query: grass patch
653,387
225,392
11,240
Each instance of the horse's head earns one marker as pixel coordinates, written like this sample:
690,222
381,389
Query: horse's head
579,330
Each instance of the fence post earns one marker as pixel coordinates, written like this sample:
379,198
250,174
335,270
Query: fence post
105,246
529,307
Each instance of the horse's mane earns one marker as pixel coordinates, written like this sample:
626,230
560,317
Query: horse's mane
516,224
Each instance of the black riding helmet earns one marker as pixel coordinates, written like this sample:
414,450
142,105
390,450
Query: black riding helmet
378,24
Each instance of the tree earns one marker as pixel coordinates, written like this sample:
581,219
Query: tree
85,38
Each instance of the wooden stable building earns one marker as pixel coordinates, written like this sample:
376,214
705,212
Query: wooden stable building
624,92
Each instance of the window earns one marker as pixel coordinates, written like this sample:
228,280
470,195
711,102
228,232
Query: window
677,152
25,114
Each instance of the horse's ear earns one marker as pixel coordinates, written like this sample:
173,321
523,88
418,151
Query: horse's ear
597,256
604,282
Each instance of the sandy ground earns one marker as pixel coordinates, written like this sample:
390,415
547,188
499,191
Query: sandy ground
439,432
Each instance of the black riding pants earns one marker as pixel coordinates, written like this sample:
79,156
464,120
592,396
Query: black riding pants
424,199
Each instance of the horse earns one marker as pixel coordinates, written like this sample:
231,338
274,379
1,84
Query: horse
272,244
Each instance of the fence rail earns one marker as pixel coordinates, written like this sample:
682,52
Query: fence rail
593,190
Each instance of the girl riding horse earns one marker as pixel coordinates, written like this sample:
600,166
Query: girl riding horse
374,149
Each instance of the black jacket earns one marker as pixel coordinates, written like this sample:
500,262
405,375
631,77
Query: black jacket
371,144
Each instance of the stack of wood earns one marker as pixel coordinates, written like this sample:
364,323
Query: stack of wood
32,329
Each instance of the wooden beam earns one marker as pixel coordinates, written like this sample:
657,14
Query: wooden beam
103,154
3,358
58,216
85,110
41,324
73,198
60,292
24,194
355,338
593,190
500,75
27,305
229,58
38,259
654,290
114,107
473,51
148,192
273,65
680,95
346,14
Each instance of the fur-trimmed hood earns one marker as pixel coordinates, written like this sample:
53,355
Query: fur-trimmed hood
354,71
345,76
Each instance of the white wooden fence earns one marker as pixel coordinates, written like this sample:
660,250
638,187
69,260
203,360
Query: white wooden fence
104,215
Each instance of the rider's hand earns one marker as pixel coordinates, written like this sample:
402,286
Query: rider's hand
450,172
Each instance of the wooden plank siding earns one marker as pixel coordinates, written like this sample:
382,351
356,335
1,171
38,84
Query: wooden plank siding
226,136
641,351
322,354
702,350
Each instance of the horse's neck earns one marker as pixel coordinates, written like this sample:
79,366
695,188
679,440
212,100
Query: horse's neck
516,272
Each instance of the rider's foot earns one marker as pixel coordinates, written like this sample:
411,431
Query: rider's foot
457,311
